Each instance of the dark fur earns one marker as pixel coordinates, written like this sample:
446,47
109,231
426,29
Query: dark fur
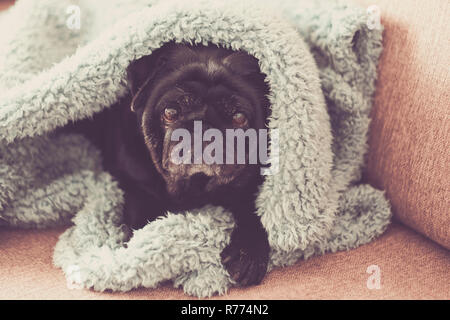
206,83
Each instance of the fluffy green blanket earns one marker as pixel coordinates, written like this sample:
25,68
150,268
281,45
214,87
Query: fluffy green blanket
320,59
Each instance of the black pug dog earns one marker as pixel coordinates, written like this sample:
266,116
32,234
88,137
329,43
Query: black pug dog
170,89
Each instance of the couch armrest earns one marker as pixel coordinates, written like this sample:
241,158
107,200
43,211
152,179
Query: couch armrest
409,153
4,4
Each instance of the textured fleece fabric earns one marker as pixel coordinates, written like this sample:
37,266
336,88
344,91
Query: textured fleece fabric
320,60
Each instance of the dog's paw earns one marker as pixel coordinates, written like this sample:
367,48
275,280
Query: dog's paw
247,265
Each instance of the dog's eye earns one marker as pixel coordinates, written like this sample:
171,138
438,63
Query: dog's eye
170,114
239,119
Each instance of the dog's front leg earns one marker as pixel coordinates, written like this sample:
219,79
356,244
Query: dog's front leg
247,256
141,206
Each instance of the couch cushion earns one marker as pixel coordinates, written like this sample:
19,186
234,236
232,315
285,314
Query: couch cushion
410,135
411,267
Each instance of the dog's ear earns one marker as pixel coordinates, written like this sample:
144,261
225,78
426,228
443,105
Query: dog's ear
140,74
242,63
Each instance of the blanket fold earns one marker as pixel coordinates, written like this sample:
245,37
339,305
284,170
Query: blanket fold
320,60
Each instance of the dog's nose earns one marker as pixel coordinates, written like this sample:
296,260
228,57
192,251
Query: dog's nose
199,181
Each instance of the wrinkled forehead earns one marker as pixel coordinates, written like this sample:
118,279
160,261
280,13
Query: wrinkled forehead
195,83
194,94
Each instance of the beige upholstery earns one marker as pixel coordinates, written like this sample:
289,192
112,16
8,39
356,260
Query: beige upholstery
410,265
410,134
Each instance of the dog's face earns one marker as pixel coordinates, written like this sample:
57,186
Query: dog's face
180,90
